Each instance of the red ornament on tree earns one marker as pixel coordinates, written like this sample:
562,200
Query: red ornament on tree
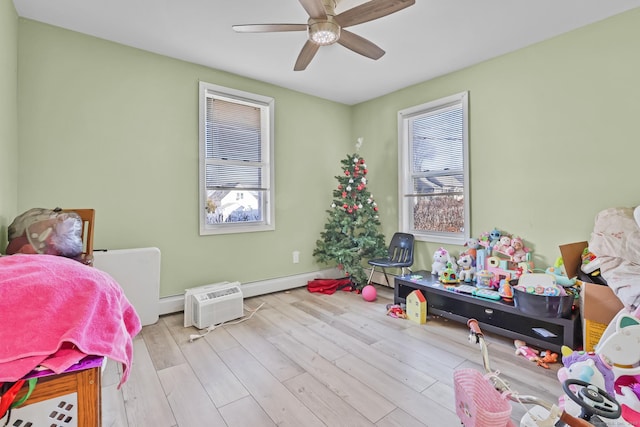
345,206
344,194
347,173
365,171
362,161
350,210
375,208
339,186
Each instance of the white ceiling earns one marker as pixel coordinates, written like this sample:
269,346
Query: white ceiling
423,41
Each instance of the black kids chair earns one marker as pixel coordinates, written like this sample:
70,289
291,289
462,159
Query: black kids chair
400,255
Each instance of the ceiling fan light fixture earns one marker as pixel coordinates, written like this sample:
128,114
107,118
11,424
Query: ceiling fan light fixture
324,27
324,33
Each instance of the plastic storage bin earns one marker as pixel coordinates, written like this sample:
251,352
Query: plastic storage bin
544,305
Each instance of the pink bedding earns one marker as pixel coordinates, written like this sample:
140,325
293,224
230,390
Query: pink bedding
50,303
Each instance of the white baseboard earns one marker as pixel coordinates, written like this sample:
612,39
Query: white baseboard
175,303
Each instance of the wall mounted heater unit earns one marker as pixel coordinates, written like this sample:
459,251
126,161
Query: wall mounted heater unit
213,304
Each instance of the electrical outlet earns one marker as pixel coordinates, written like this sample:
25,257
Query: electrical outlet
296,257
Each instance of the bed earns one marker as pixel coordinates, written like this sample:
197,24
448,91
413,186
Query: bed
615,241
61,318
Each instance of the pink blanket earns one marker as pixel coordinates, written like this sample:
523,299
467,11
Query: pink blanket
48,303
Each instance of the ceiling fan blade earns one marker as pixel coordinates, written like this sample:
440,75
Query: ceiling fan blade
268,28
306,55
315,8
371,10
360,45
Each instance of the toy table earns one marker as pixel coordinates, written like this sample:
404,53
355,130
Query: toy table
499,317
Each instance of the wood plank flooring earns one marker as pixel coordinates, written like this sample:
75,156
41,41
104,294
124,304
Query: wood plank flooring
307,359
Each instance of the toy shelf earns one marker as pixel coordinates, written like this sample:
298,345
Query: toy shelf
499,317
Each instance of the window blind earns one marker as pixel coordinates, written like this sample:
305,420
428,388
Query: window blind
233,146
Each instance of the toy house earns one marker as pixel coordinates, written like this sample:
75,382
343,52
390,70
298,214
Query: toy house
417,307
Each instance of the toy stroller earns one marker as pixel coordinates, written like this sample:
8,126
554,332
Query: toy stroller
483,400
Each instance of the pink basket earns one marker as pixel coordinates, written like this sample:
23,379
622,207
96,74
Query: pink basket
478,404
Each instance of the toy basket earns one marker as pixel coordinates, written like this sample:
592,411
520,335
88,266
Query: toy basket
57,412
478,404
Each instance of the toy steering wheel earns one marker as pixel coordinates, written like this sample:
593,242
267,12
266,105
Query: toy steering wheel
592,399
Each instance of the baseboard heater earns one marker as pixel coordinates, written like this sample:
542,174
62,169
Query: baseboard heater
137,271
214,304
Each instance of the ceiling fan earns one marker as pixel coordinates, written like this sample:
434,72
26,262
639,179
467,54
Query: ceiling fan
325,27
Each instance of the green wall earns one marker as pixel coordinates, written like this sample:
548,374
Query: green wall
8,118
553,136
553,141
116,129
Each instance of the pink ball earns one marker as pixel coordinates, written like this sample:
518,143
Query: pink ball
369,293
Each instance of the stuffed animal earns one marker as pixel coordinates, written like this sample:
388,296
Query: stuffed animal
494,238
517,250
467,265
440,259
485,239
472,244
503,245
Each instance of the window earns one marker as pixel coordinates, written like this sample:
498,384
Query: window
236,167
434,170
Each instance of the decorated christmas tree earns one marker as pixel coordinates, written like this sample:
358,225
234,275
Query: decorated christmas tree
351,236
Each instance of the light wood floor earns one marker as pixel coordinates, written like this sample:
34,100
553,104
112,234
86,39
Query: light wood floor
308,360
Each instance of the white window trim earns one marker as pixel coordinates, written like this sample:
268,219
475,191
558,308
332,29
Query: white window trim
267,106
404,167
